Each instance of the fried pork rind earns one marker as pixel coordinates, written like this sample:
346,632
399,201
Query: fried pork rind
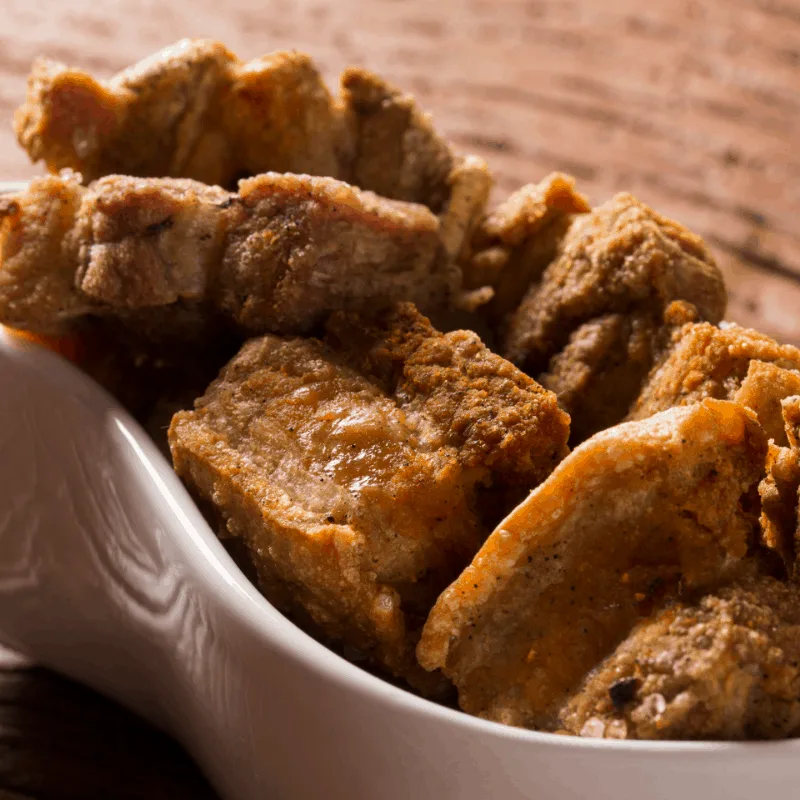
752,369
194,110
354,468
474,400
399,154
706,361
724,667
638,513
592,325
514,244
173,256
779,489
764,389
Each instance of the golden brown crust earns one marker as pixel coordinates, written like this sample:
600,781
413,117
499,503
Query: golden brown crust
482,405
516,241
356,490
593,324
194,110
621,254
706,361
764,389
470,184
779,489
629,517
752,369
241,450
280,113
724,667
37,257
278,256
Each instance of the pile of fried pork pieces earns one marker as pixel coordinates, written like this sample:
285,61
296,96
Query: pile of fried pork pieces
582,520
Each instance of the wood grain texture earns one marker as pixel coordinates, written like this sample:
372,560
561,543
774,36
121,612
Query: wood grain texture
60,741
693,106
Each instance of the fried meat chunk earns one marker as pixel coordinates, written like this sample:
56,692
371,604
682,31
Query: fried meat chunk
635,515
780,488
480,403
726,666
594,321
764,389
707,361
750,368
171,256
353,468
194,110
398,154
513,244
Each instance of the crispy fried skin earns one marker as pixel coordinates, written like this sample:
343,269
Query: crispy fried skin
354,468
634,515
482,405
764,389
172,256
779,489
724,667
592,325
706,361
514,243
38,257
752,369
194,110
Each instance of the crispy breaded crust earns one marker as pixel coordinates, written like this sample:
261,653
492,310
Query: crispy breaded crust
593,324
724,667
629,517
706,361
38,257
475,401
764,389
779,490
752,369
356,488
516,241
238,451
278,256
194,110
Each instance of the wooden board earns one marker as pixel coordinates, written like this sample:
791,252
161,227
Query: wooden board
60,741
692,105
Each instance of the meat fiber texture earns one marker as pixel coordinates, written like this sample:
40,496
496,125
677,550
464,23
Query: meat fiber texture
726,666
194,110
174,257
354,469
586,301
633,516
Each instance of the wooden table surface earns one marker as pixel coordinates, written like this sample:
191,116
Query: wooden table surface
693,105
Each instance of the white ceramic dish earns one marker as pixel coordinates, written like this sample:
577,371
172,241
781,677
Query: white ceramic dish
109,574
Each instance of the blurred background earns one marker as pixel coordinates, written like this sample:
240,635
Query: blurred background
692,106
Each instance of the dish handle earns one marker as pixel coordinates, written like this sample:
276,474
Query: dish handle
87,585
